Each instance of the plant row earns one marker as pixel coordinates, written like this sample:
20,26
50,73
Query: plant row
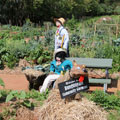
36,44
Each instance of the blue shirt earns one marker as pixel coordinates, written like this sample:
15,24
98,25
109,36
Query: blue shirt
64,66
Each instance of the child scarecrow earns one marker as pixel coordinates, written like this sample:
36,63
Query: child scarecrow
60,64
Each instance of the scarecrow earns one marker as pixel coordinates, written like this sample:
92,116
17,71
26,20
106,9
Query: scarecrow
57,67
61,36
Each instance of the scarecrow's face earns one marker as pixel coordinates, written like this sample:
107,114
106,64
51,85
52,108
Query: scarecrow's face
58,24
61,56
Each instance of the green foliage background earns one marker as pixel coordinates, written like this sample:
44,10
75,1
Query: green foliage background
13,45
15,12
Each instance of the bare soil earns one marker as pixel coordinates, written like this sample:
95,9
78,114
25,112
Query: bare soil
15,79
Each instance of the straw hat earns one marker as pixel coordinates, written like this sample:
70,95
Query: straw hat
61,20
59,50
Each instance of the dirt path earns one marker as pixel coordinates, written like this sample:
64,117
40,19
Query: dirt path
14,79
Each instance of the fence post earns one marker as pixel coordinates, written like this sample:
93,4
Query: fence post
116,30
95,29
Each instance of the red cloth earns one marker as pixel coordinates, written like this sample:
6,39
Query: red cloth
81,78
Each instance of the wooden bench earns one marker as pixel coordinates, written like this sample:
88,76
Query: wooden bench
97,63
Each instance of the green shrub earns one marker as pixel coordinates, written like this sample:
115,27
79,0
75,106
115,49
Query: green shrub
11,60
114,115
117,10
49,39
40,55
105,100
72,23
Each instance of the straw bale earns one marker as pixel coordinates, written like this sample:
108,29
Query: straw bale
62,78
23,63
55,108
24,113
32,74
35,78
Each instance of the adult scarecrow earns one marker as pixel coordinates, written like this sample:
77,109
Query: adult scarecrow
61,36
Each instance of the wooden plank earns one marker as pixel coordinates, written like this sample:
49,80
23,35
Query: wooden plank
102,81
93,62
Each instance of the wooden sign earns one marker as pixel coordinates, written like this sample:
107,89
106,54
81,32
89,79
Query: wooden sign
72,87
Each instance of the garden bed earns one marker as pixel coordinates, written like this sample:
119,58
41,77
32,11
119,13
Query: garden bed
88,110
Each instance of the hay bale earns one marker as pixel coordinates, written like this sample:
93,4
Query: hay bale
34,73
24,113
55,108
62,78
35,78
23,63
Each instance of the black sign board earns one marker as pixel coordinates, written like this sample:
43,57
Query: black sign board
72,87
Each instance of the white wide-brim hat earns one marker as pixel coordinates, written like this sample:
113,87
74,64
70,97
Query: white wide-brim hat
59,50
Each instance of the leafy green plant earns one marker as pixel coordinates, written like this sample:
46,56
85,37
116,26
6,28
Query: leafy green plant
105,100
2,83
23,98
4,93
49,39
2,52
72,23
75,39
19,96
8,26
81,52
117,10
40,55
114,115
4,34
45,57
15,48
8,112
36,53
118,94
110,102
11,61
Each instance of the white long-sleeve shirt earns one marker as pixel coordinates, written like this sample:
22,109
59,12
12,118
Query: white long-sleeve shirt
61,38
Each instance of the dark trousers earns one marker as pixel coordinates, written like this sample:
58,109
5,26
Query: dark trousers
68,55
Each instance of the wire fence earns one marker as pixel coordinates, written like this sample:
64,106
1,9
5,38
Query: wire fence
95,33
